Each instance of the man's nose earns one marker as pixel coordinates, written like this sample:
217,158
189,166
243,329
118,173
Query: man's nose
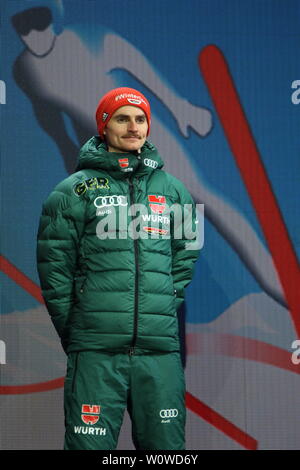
132,125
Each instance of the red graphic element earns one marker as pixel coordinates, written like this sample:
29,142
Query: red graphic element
23,281
92,418
219,422
157,199
157,208
221,87
240,347
123,162
95,409
160,203
161,231
32,388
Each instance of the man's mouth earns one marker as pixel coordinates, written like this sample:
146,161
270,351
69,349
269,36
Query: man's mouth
135,137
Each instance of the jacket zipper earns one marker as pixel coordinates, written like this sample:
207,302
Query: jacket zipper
136,286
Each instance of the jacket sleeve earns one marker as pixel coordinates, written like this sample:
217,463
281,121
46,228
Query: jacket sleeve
185,244
58,242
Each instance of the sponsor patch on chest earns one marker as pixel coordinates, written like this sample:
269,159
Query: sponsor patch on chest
157,204
90,183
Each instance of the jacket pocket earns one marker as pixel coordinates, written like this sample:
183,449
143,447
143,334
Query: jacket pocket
80,282
75,368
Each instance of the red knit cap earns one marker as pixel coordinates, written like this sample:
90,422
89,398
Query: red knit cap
117,98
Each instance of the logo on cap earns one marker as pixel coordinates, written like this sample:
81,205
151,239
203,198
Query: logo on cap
104,116
132,101
131,98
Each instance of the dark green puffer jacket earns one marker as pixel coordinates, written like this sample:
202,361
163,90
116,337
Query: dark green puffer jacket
116,287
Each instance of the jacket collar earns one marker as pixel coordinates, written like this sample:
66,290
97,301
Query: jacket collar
94,154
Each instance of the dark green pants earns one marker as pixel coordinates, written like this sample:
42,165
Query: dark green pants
100,386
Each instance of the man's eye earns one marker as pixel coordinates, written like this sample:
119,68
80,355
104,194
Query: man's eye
121,119
140,120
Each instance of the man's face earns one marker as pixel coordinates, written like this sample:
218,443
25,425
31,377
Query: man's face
127,130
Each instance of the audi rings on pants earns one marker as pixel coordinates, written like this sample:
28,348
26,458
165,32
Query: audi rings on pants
168,413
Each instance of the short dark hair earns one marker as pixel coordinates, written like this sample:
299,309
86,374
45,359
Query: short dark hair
34,18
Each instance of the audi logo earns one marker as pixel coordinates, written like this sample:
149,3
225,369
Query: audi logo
104,201
151,163
168,413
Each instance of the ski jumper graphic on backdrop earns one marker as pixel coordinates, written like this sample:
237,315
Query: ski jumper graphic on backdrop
58,87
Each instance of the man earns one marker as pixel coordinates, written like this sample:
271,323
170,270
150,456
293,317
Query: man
112,282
